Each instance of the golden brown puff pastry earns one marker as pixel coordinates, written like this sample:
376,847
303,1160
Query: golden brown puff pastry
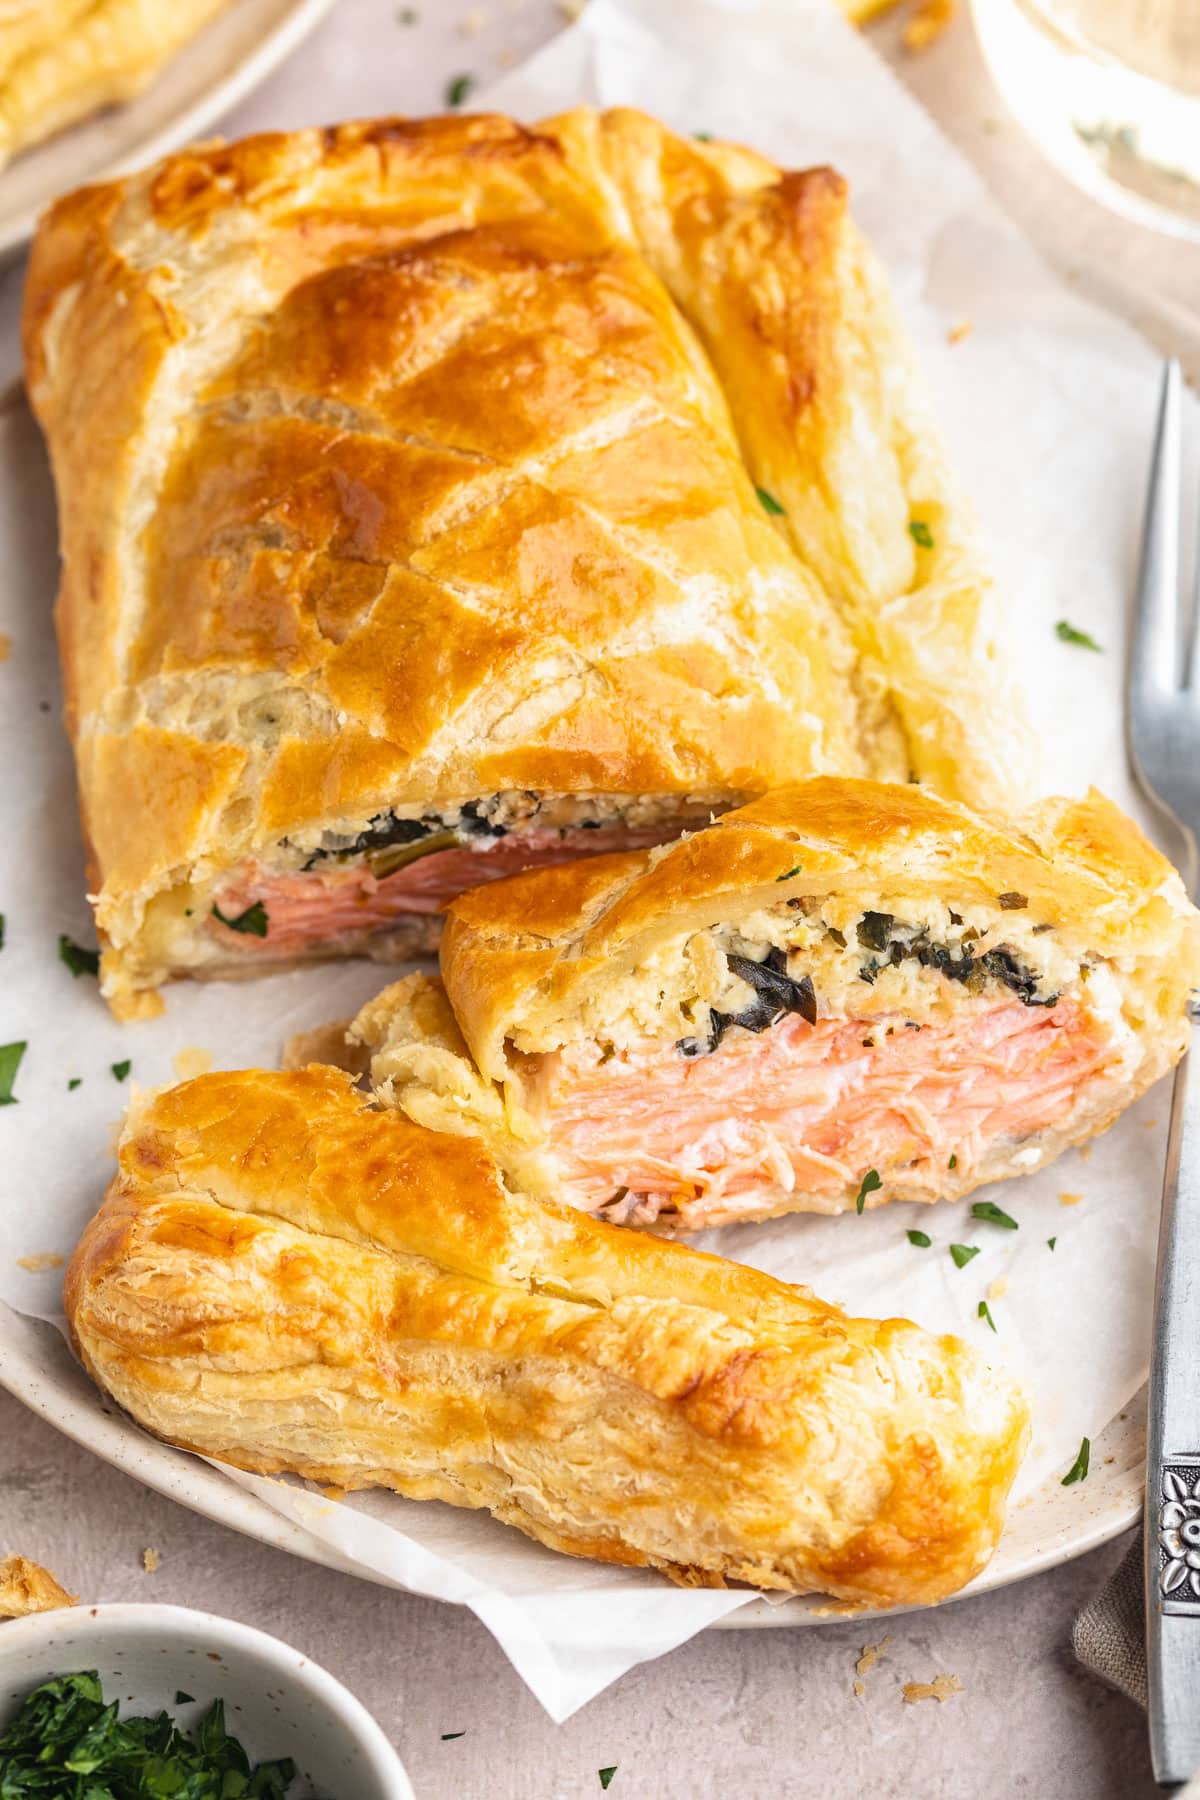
407,478
285,1278
61,60
25,1588
843,994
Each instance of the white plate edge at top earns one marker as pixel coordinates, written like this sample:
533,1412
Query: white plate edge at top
286,23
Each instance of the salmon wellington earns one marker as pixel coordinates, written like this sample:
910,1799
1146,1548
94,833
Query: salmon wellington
441,498
842,994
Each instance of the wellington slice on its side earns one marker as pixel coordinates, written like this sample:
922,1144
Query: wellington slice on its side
845,993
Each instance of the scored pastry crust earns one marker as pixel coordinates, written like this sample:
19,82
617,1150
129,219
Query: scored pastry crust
288,1280
608,950
404,462
61,60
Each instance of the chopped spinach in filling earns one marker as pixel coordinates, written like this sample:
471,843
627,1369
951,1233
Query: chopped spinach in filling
776,992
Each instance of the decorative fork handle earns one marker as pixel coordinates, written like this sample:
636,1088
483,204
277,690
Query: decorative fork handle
1172,1547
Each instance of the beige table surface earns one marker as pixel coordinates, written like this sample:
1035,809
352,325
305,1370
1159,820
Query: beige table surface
751,1714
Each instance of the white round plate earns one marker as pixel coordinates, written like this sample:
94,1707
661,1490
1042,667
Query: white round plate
204,79
1050,1527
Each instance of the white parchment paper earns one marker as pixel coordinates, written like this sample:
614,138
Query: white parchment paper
1048,406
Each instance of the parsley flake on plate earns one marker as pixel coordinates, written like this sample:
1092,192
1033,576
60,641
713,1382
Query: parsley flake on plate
447,1736
985,1312
1078,1470
1071,634
921,1239
78,960
870,1184
991,1214
606,1776
253,921
962,1254
74,1082
458,89
121,1069
10,1062
1050,1242
769,503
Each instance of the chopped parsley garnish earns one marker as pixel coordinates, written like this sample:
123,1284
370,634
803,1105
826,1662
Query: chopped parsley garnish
962,1254
953,1163
74,1082
253,921
702,137
1051,1242
10,1062
448,1736
77,959
120,1070
921,1239
991,1214
788,873
1,931
458,89
920,533
769,503
407,15
1078,1470
870,1183
1071,634
606,1776
65,1741
985,1312
182,1699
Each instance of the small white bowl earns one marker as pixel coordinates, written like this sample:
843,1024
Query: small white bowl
277,1701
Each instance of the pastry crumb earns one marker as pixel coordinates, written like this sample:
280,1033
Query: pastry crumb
927,22
998,1288
191,1061
41,1260
1150,1124
334,1493
871,1654
941,1688
473,22
1085,1153
25,1587
1069,1199
505,57
5,646
151,1560
571,8
958,332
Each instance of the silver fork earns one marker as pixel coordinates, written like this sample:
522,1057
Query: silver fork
1164,749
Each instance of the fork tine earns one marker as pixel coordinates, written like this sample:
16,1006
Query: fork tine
1154,663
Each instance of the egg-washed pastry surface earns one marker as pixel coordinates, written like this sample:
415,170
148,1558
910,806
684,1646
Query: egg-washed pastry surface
61,60
287,1278
842,994
440,498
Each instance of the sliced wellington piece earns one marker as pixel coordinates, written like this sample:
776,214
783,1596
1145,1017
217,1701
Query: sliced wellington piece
443,497
292,1279
843,994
